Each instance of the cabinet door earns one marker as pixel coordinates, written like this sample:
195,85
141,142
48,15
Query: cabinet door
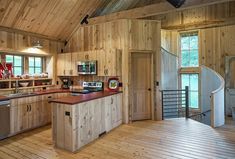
75,59
67,64
119,108
60,65
114,110
34,114
85,126
91,55
101,63
113,62
23,122
108,112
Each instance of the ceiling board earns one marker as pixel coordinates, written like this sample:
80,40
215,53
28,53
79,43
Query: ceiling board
58,18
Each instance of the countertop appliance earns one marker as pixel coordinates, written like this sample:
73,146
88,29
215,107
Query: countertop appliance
4,119
87,67
89,87
66,83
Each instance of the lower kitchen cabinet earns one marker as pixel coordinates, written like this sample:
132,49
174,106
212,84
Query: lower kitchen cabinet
30,112
77,125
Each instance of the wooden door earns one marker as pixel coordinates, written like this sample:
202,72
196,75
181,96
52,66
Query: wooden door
141,85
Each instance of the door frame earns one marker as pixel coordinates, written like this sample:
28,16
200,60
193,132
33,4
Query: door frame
130,94
228,61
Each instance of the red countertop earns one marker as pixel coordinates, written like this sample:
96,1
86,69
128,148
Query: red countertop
71,100
66,100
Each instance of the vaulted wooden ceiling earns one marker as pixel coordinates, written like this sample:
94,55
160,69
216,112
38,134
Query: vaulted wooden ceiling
58,18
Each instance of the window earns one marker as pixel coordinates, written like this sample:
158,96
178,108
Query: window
17,63
191,80
189,49
35,65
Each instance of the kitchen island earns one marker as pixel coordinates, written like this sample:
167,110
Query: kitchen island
78,120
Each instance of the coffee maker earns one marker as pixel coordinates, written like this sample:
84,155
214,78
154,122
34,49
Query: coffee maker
66,83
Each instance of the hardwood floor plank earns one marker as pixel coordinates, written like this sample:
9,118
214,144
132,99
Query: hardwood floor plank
168,139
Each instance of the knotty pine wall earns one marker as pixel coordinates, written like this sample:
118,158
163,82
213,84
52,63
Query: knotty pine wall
19,43
215,43
123,34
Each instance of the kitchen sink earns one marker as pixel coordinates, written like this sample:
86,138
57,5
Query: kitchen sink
21,94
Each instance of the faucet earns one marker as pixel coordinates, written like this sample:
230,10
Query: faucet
17,87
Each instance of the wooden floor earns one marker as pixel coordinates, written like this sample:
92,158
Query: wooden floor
178,138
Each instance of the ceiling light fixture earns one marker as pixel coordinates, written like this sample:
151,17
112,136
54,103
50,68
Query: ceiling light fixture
37,44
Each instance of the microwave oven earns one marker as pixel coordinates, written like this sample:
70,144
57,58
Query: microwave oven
87,67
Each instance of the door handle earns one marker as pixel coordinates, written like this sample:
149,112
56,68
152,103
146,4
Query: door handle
149,89
27,108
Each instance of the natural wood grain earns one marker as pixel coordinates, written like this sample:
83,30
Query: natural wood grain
197,18
74,126
176,138
125,35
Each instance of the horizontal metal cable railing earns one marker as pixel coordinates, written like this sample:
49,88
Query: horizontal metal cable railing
175,103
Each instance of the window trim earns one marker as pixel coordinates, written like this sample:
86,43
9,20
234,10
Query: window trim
179,48
190,70
34,67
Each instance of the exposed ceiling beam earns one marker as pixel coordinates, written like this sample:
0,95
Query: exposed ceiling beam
11,30
154,9
202,24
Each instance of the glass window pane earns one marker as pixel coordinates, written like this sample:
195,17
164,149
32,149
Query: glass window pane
194,58
184,43
193,42
193,103
38,61
38,70
194,82
184,80
9,58
185,59
17,61
31,70
31,61
191,80
17,71
189,50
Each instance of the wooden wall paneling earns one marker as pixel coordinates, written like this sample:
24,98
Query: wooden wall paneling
215,43
121,34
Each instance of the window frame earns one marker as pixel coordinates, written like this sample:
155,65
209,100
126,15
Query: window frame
34,67
180,50
190,70
199,88
13,64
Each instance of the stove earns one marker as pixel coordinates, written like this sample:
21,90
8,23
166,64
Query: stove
89,87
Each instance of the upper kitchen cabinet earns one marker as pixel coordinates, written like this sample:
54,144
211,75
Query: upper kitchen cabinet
109,62
66,64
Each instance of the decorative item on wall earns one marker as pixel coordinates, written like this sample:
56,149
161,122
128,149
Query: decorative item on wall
113,84
5,70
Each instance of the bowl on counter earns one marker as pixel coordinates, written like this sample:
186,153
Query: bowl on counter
24,84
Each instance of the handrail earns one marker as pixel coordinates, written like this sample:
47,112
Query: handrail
199,114
168,52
